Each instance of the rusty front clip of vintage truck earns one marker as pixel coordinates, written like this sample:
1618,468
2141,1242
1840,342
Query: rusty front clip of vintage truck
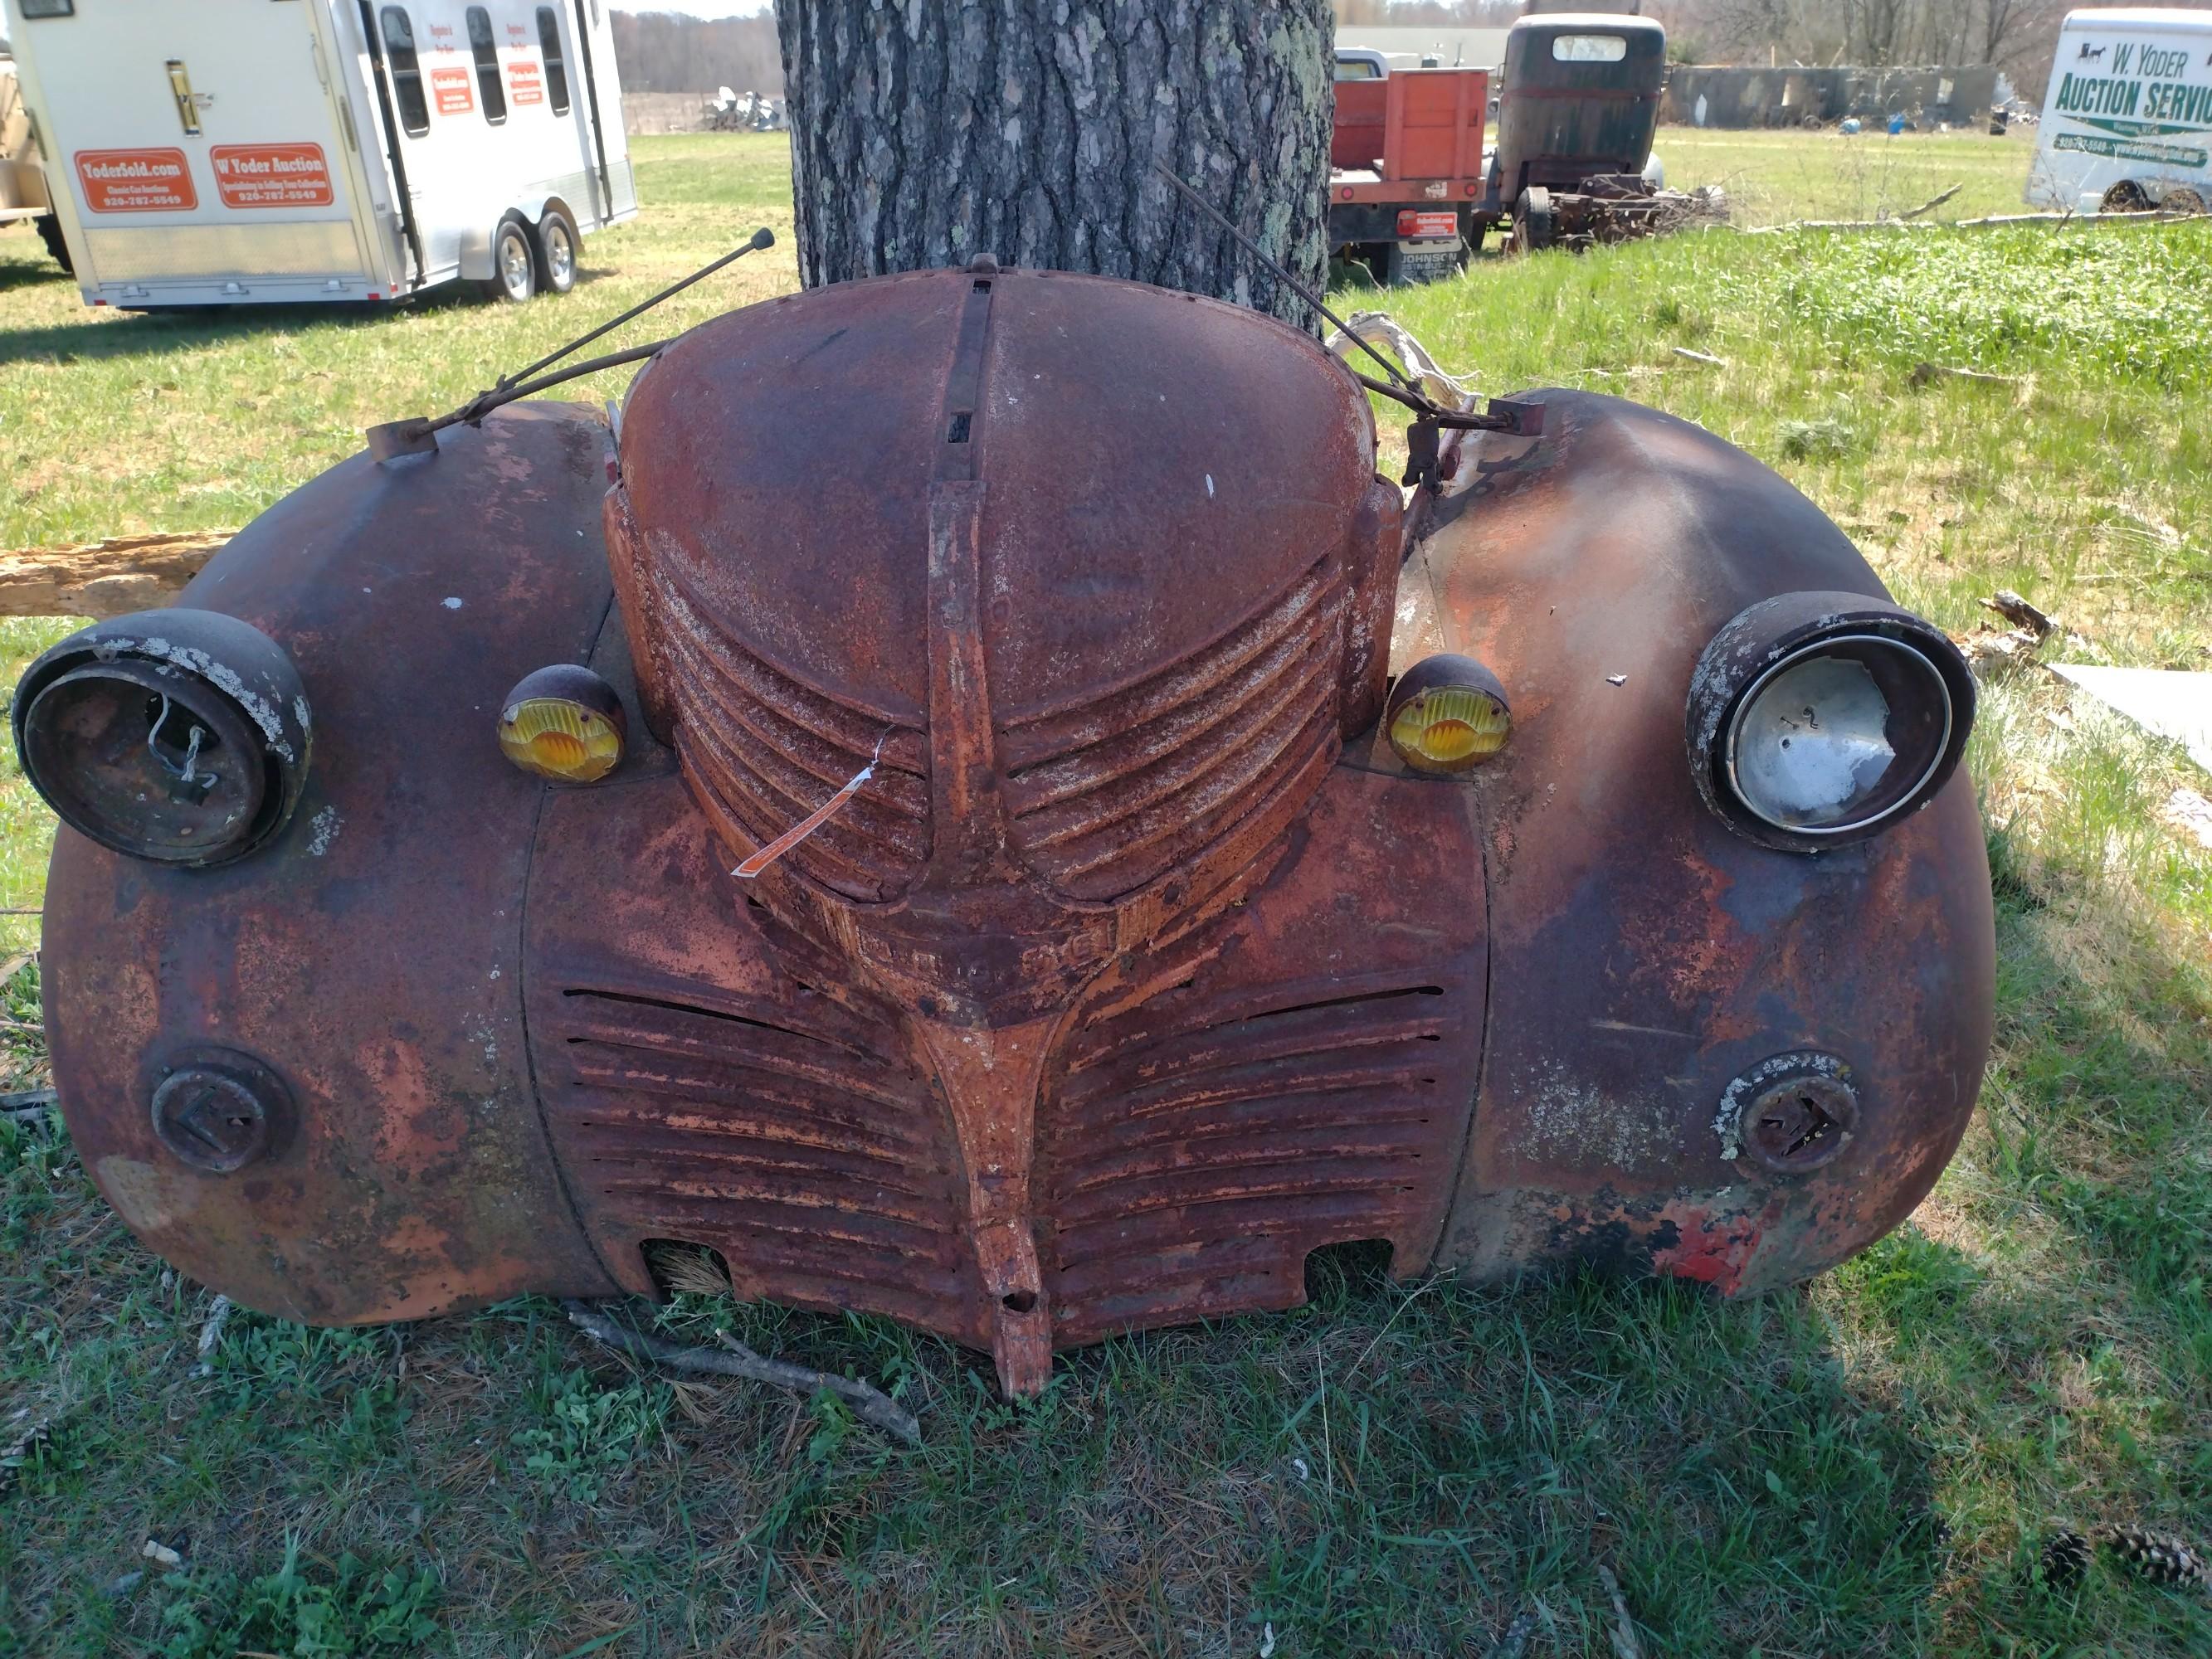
1226,859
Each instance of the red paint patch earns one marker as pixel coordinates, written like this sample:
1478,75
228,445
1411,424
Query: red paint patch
1712,1253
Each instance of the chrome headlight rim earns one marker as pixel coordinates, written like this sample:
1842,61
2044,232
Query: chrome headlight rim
1824,649
1756,649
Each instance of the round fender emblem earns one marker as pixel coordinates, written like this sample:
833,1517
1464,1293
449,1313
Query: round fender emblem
220,1112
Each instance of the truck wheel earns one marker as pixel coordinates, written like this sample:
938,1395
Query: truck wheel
1532,222
50,232
1401,269
556,250
514,263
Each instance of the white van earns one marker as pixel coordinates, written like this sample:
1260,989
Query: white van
220,152
2127,124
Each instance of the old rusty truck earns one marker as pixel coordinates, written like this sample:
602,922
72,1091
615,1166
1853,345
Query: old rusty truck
964,828
1413,191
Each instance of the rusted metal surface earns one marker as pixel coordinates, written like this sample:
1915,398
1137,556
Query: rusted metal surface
1137,970
370,955
1645,955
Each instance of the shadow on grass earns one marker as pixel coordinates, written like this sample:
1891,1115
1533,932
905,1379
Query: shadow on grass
19,274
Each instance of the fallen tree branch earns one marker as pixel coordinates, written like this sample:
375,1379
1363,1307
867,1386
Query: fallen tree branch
1932,202
1966,224
1705,357
109,578
869,1403
1924,372
210,1333
1624,1644
28,1103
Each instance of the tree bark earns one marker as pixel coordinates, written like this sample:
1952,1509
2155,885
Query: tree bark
926,132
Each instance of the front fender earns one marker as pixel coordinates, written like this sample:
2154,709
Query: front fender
369,958
1647,962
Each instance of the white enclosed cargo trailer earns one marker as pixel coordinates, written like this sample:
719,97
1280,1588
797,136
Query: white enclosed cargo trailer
222,152
2127,124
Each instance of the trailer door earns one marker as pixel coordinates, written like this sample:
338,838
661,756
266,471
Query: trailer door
203,147
579,54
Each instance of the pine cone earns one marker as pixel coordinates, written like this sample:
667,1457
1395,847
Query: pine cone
2064,1560
2162,1560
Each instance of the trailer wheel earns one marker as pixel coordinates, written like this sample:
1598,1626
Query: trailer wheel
514,263
556,250
1532,222
50,232
2127,197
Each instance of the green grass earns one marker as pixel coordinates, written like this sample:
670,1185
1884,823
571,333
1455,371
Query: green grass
1866,1466
1779,177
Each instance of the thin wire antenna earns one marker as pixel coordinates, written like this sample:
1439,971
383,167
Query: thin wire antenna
763,238
415,435
1285,277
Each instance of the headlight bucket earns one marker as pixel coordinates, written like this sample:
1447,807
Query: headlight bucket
176,736
1818,719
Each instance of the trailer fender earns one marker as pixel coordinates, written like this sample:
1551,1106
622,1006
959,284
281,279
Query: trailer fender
477,262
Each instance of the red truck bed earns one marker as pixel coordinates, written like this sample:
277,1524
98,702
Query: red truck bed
1418,127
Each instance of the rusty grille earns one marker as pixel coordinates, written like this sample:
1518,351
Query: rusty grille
769,751
1194,1155
783,1134
1107,795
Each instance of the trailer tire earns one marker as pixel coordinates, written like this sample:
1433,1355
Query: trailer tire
2127,197
557,242
1533,222
514,262
50,232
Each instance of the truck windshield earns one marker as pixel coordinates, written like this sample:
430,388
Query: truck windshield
406,72
486,54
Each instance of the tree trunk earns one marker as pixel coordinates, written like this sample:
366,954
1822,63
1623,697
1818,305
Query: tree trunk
924,132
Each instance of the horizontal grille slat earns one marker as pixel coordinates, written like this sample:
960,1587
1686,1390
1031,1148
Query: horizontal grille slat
866,837
1107,796
1213,1136
803,764
769,751
789,1132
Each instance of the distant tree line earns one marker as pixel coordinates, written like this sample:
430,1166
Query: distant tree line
663,52
2018,36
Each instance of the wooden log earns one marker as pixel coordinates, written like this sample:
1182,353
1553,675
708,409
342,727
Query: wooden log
104,579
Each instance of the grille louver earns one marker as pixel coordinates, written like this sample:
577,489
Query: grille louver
1194,1154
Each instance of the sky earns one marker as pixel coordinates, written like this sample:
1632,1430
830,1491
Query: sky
698,8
